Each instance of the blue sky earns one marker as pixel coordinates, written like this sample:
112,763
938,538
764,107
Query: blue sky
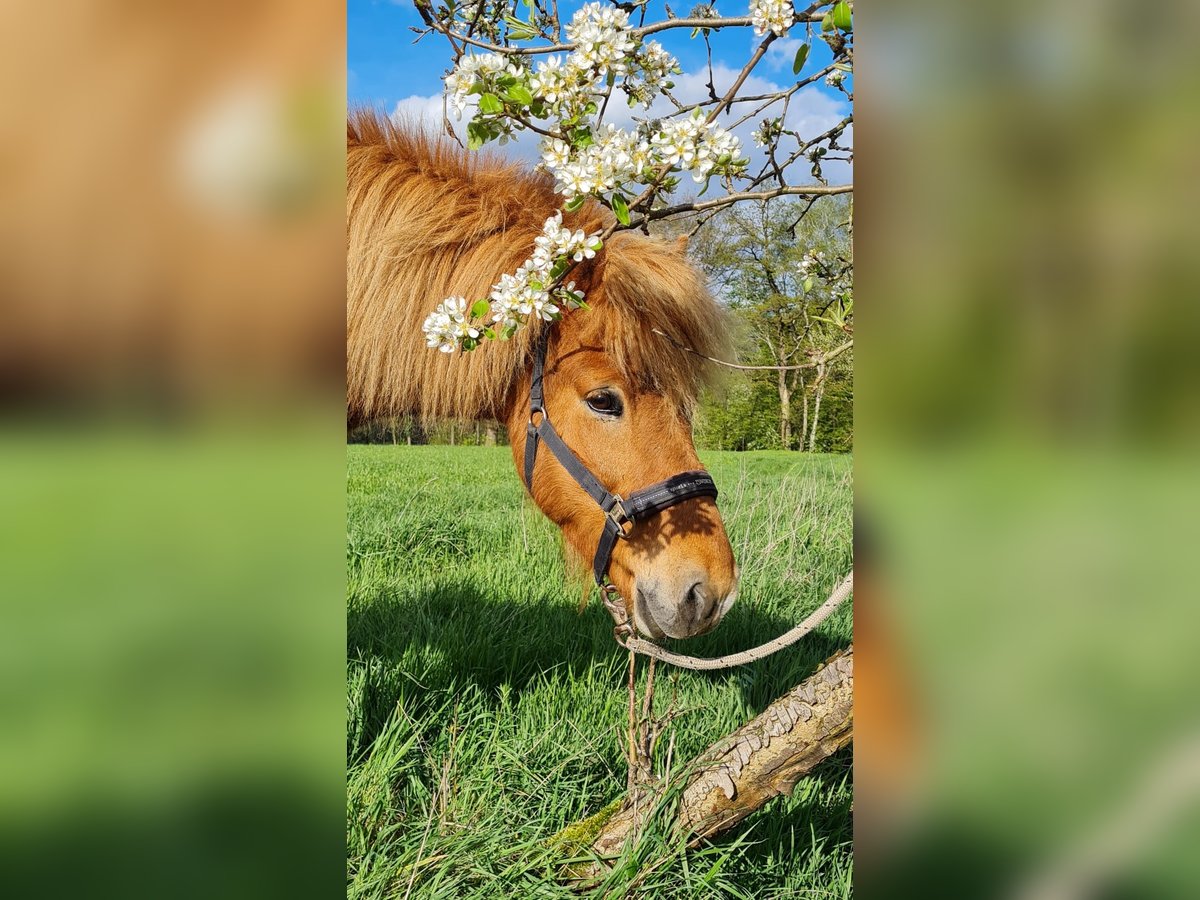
387,71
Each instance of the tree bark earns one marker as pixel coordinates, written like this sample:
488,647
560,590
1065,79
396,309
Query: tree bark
803,412
785,411
763,759
819,385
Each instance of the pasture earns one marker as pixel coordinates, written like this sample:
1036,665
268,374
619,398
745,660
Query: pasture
485,713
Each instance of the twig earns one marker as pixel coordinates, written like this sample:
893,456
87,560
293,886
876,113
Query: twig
819,361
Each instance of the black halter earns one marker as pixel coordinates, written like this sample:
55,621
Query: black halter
618,511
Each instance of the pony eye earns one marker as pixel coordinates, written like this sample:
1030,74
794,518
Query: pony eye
607,403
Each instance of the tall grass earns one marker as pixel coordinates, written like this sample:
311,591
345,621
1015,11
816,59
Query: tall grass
485,713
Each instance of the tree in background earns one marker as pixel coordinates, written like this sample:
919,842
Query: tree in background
784,268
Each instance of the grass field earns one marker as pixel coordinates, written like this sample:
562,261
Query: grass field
485,713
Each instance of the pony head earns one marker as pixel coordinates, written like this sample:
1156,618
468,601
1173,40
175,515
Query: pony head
621,397
425,221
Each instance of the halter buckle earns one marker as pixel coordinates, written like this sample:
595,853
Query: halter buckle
620,516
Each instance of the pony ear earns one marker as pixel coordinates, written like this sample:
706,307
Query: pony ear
681,243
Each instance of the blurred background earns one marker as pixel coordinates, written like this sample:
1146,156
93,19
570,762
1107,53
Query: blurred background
171,462
1027,421
172,459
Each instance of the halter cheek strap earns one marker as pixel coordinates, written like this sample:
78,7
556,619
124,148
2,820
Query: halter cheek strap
618,511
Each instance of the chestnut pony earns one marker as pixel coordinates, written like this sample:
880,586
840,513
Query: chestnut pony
425,221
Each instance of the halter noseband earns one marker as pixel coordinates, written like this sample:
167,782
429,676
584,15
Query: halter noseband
618,511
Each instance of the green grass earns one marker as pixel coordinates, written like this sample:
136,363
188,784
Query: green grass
485,714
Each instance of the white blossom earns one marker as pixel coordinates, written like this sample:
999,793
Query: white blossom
524,294
772,15
694,145
602,39
614,157
447,325
766,132
835,78
474,68
556,153
554,82
650,74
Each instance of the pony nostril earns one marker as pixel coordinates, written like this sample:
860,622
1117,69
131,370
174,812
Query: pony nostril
698,604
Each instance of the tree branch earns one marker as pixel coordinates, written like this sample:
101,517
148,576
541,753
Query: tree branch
714,24
729,199
820,360
763,759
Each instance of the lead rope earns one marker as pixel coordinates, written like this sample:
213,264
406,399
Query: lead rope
625,636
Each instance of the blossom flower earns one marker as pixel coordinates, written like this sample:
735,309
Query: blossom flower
602,39
650,73
522,295
695,145
447,325
556,153
615,157
473,68
552,81
767,131
835,78
772,15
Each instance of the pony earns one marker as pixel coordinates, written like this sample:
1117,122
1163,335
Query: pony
427,220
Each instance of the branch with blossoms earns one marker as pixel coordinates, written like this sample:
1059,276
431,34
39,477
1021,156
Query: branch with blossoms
562,91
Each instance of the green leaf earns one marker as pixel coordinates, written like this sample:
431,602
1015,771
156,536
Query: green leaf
518,93
574,203
518,30
508,332
469,343
490,333
621,208
477,135
479,309
841,15
801,56
581,138
490,104
827,22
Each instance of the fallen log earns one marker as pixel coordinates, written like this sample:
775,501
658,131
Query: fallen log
739,773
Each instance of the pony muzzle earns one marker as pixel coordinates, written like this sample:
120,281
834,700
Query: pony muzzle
680,604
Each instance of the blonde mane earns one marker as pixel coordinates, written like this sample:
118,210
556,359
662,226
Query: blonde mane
427,220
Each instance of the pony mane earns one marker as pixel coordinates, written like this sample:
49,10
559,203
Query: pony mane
427,220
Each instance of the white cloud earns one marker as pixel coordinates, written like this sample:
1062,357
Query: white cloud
427,112
782,53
